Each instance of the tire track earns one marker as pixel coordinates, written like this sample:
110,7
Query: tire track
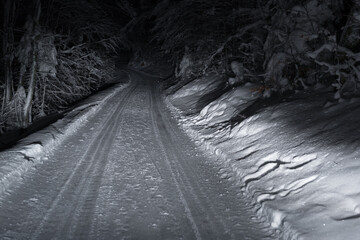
94,145
189,215
186,173
128,173
93,180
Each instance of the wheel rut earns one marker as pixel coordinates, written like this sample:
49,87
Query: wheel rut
84,179
128,173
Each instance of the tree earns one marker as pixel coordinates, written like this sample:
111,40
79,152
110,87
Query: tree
8,47
52,60
33,28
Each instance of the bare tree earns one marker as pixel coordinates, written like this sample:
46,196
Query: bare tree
9,8
53,60
30,40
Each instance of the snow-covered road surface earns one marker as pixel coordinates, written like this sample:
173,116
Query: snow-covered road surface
128,173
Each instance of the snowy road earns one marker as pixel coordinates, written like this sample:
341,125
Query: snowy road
128,173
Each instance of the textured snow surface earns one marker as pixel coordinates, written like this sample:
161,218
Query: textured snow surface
228,105
127,172
35,148
298,161
192,97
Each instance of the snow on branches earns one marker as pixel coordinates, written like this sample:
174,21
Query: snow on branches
55,60
284,45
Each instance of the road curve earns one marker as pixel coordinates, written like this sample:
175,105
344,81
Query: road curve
128,173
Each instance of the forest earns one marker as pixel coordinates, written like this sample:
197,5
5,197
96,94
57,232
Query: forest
180,119
56,52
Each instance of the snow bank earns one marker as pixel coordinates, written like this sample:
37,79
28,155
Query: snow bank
228,105
192,97
34,149
298,161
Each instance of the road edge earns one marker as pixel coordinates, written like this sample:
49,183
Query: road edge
34,149
285,230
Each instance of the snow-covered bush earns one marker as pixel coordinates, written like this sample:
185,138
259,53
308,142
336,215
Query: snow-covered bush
185,66
198,26
306,45
238,69
282,45
294,29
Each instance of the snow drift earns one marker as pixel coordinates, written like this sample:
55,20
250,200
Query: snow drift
297,160
192,97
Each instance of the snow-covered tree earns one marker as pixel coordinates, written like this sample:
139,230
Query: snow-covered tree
60,52
282,45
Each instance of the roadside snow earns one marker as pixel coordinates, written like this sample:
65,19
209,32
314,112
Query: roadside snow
228,105
192,97
34,149
298,161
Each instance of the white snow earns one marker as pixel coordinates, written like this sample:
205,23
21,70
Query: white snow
35,148
128,173
197,87
298,161
277,219
184,67
228,105
199,92
238,70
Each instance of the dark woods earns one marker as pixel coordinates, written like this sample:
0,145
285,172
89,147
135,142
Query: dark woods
53,53
282,45
57,51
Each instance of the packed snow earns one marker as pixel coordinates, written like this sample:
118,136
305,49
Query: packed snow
298,159
125,170
35,148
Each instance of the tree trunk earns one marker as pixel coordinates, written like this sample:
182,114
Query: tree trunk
8,47
30,93
31,89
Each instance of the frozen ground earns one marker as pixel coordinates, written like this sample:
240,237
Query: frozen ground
298,160
119,167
